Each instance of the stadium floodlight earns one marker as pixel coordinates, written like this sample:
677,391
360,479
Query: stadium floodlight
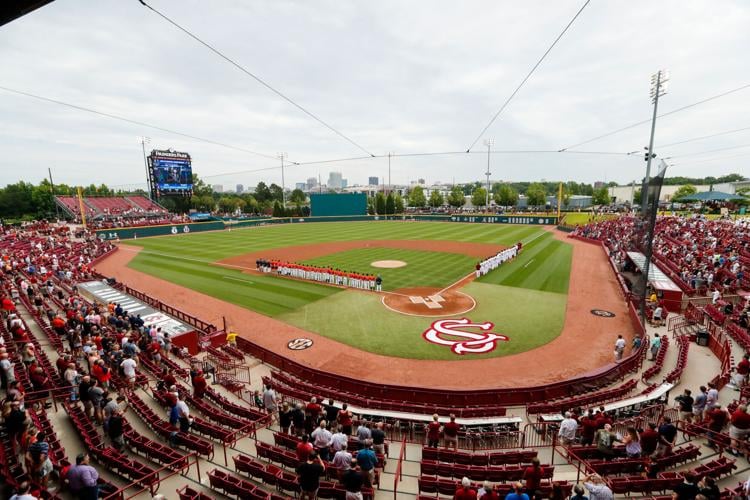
282,156
658,89
146,140
489,143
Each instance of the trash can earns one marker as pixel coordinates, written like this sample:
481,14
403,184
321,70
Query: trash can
701,337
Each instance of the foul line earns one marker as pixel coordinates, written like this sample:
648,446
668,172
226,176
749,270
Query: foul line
527,264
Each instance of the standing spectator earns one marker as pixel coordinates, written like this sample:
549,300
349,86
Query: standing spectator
345,419
285,418
363,434
568,428
200,385
685,401
465,491
37,458
450,433
367,461
649,440
128,366
342,460
739,428
269,403
619,347
96,394
667,436
712,396
589,425
533,476
115,429
378,439
632,443
687,490
486,492
657,316
655,346
332,414
304,449
708,488
83,479
717,419
353,480
598,490
322,440
72,377
433,432
298,420
605,441
742,370
309,474
23,492
699,404
8,370
578,493
183,414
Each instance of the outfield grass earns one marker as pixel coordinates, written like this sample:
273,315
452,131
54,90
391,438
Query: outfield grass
431,269
544,264
360,320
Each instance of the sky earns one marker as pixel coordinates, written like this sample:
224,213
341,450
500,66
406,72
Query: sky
400,77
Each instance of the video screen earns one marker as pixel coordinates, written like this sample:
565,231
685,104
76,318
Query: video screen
173,176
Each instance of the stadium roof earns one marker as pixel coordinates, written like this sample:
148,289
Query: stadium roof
711,196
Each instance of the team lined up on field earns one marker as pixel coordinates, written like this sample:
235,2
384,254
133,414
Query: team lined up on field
321,274
492,263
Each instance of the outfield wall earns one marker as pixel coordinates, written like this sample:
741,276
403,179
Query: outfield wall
126,233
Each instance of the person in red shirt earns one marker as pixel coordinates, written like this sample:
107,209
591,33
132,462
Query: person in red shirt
465,491
199,385
649,440
450,433
589,427
304,448
345,419
743,369
433,432
717,419
533,477
739,428
314,409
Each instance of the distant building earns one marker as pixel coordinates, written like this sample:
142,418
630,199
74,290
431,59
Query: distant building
312,183
335,180
599,185
344,183
372,181
218,188
240,188
301,185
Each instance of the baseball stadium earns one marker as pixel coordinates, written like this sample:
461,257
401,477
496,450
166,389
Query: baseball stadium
211,330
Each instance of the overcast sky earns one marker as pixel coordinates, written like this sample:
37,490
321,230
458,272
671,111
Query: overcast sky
396,76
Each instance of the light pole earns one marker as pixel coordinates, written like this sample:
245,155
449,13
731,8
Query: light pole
144,141
389,173
489,143
283,185
658,88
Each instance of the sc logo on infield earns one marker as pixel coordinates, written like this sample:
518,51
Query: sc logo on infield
476,343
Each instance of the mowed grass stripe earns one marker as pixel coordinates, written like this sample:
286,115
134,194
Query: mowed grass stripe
265,294
544,264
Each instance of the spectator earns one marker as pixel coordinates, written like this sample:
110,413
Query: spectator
37,458
667,436
23,492
568,428
655,346
332,414
712,396
450,433
345,419
739,428
322,440
96,394
285,418
717,419
486,492
367,461
304,449
619,347
298,420
589,428
685,401
339,441
598,490
465,491
200,385
533,476
309,474
687,490
128,366
342,460
433,432
742,370
353,480
699,404
14,422
378,439
517,493
708,488
83,479
269,402
578,493
632,443
363,434
115,429
605,441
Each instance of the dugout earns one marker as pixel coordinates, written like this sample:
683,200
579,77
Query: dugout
331,204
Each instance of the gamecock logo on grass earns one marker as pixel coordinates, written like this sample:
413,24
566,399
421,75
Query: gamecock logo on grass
445,332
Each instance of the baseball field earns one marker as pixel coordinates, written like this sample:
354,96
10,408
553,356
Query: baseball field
525,299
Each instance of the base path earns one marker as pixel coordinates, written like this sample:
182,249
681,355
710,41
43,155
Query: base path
586,343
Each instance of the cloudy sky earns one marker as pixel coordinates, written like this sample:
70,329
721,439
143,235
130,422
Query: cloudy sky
404,77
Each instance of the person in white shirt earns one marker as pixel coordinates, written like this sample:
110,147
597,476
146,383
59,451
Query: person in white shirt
322,440
339,441
619,347
568,428
342,460
715,296
128,366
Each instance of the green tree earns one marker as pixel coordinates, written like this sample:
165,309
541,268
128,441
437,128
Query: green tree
398,204
601,196
436,199
298,197
227,204
390,205
479,197
278,210
506,196
277,193
456,197
380,203
262,193
536,195
417,197
685,190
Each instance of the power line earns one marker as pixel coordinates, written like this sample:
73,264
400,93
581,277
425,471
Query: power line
507,101
708,151
712,159
703,101
134,122
703,137
253,76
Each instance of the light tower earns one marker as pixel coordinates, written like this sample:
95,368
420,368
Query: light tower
659,86
489,143
282,156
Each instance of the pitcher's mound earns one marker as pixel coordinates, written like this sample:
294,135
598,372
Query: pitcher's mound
388,264
428,302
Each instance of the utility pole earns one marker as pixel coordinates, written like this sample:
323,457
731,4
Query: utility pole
283,185
489,143
390,186
52,192
658,89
